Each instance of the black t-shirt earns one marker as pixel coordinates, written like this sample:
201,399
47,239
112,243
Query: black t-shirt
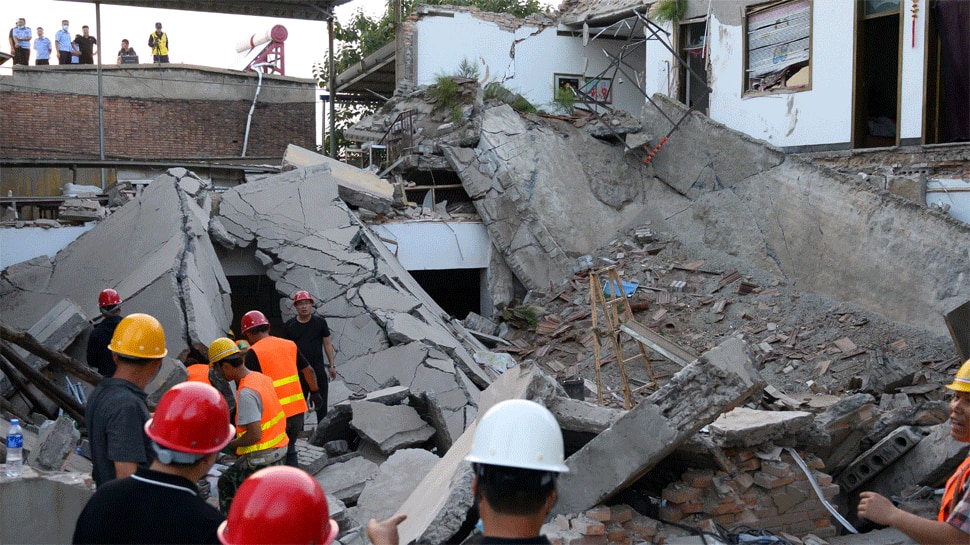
116,416
484,540
99,357
309,339
86,45
149,507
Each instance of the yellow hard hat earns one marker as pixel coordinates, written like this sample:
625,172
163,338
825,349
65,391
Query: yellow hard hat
221,349
139,336
961,382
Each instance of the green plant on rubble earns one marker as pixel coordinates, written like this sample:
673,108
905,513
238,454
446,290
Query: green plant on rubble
444,92
530,315
565,100
468,69
495,91
668,11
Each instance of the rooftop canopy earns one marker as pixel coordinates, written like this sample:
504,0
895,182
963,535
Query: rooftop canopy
314,10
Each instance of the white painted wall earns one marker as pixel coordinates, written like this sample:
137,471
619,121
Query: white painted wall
822,115
18,245
437,245
537,57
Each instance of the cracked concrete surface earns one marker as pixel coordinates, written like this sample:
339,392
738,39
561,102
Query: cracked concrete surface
155,251
384,328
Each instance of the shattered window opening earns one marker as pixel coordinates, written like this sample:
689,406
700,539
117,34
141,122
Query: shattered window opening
778,47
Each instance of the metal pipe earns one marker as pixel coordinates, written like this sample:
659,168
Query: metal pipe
252,108
97,30
332,115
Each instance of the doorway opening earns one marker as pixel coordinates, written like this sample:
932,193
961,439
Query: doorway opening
693,50
876,111
457,291
256,292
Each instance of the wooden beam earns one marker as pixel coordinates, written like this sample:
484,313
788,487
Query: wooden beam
57,359
35,377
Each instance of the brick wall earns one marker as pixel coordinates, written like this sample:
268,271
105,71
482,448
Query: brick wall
771,495
47,125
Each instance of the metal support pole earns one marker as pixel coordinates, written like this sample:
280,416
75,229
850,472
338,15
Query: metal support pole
97,19
332,115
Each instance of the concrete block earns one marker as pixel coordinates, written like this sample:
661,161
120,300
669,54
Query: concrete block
171,372
385,396
724,377
389,428
394,482
929,463
880,456
744,427
581,416
56,329
57,442
346,480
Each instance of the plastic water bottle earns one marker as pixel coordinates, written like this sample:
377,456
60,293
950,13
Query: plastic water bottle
15,449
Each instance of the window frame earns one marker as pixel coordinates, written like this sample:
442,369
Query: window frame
748,81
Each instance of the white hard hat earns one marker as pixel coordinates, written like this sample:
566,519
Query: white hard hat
519,433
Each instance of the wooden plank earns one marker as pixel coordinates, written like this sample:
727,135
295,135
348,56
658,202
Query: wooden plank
658,343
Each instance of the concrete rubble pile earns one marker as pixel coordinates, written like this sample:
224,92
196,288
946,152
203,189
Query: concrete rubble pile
779,403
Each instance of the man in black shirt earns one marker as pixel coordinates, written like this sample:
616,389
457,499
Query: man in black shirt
161,504
310,333
99,356
86,43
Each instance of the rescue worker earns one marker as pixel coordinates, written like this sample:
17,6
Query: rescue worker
952,524
261,439
279,505
516,456
198,372
161,504
280,360
243,346
116,410
311,334
99,357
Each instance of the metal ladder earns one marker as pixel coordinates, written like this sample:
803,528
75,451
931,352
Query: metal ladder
613,317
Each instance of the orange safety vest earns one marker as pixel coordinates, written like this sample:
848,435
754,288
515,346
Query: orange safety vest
954,489
198,372
272,421
277,359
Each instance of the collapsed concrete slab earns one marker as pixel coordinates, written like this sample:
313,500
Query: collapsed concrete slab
751,200
346,480
929,463
389,428
720,380
394,482
743,427
357,187
439,505
57,442
383,325
155,251
530,183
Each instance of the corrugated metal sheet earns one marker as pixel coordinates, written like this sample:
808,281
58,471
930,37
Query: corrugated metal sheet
778,37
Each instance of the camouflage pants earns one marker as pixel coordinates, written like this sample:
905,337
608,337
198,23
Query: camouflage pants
233,477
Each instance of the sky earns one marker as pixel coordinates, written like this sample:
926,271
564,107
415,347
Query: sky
206,39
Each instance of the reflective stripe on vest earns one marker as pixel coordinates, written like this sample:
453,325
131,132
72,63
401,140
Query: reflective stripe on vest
277,359
198,373
272,422
953,490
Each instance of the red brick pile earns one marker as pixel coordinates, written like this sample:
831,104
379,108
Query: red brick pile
602,525
763,494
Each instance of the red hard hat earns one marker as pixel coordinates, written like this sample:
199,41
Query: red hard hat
191,417
252,319
279,504
302,295
109,298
